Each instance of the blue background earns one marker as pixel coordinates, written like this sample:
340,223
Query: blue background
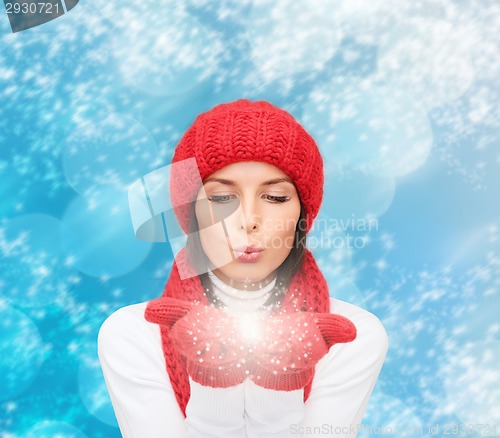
402,98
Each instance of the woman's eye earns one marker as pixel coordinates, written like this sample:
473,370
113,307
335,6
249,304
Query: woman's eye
273,198
220,198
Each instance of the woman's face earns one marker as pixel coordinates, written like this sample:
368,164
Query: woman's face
247,213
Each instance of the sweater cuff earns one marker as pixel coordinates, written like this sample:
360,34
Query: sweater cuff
270,412
215,411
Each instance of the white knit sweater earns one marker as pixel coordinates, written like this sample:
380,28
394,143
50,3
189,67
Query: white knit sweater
131,357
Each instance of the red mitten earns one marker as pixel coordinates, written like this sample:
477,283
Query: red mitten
166,311
336,329
292,344
277,351
209,340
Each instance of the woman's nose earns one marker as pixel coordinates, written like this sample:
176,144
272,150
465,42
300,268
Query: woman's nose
250,218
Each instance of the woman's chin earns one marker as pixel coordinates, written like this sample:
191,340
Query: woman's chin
246,275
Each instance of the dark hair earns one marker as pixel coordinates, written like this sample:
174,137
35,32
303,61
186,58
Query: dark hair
196,256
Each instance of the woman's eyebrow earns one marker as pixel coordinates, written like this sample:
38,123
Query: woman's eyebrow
228,182
277,181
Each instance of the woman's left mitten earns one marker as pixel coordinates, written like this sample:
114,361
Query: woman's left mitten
292,343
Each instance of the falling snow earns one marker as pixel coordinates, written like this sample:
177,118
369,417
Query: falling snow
402,98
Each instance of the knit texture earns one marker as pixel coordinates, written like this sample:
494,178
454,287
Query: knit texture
246,131
307,292
277,350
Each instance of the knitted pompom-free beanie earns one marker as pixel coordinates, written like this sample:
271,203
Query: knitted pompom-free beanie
247,131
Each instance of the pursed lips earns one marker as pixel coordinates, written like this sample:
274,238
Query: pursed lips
248,249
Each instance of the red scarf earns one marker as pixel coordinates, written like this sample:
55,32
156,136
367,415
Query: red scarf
308,291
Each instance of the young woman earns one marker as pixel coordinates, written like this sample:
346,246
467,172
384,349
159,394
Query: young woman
245,341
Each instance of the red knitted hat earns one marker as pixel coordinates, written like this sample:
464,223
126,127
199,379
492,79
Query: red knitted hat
247,131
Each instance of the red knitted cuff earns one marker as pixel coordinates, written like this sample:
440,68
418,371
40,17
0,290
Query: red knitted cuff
222,376
287,379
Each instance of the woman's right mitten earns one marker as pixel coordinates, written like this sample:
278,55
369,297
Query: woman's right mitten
205,336
166,311
201,334
208,339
